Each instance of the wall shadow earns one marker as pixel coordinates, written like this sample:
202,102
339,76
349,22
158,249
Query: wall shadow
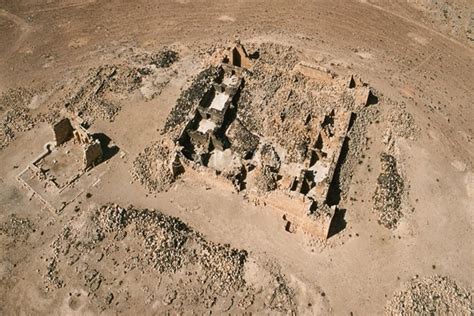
338,223
108,150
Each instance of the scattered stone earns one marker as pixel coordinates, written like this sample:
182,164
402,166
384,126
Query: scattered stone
389,193
97,96
15,116
152,168
16,228
164,58
162,253
434,295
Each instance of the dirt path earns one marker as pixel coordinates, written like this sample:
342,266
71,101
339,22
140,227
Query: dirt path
25,30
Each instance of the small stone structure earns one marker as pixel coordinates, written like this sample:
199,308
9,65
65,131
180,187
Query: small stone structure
64,131
51,174
237,56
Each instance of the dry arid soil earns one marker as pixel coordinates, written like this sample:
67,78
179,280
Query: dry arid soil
131,236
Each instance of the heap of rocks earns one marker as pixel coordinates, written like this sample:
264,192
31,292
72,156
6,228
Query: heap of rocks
266,179
179,115
284,106
434,295
164,58
282,56
152,168
97,96
223,266
111,219
389,193
402,123
15,116
175,265
18,229
242,141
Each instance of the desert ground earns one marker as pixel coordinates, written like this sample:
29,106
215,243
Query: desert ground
236,157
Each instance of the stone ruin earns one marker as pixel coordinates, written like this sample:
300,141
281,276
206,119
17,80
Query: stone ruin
215,140
237,56
51,175
213,116
92,148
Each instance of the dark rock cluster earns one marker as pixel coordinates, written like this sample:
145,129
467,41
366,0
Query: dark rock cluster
16,228
389,193
188,98
164,58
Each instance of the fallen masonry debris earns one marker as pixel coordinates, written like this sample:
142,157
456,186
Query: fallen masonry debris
100,94
389,193
112,248
433,295
164,58
276,157
15,116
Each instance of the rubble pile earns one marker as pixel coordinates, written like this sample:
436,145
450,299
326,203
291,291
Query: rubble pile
164,239
111,220
114,250
281,56
266,179
15,117
164,58
434,295
16,228
99,95
187,100
283,105
222,265
241,139
389,192
152,167
402,123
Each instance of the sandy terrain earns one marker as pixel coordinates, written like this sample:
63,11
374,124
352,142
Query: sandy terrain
132,238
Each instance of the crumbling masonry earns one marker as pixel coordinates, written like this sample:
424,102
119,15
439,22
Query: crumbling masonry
216,138
92,149
51,174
